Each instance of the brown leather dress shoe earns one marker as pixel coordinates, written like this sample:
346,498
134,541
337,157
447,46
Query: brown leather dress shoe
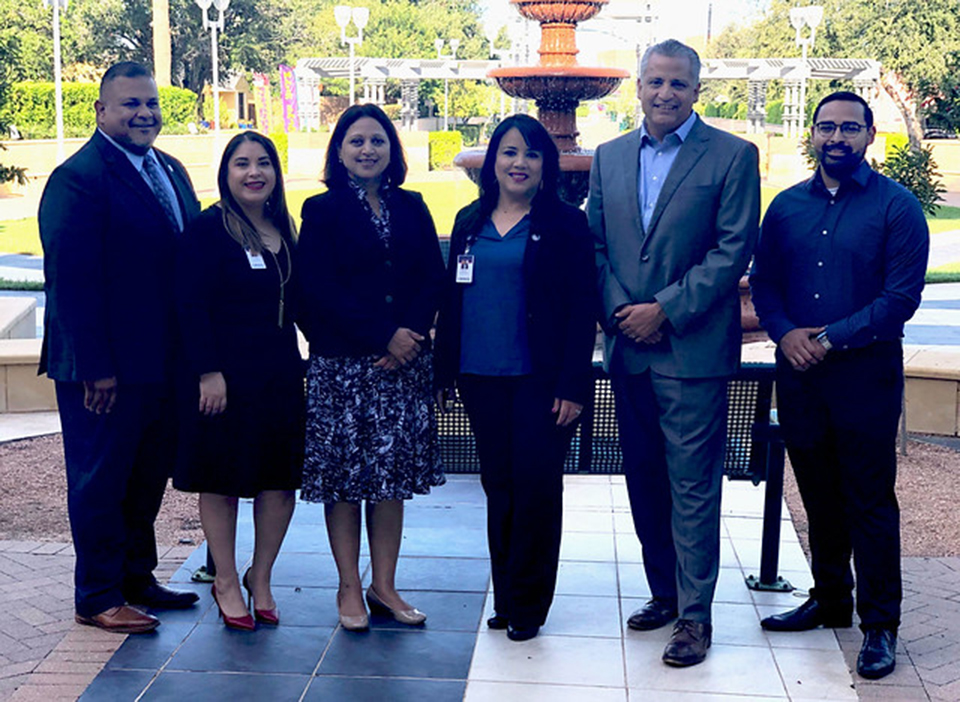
688,644
123,619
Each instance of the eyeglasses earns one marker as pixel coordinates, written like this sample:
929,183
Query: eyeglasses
850,129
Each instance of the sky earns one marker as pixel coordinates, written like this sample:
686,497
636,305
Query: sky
683,19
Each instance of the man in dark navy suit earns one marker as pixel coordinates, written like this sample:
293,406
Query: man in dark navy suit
109,220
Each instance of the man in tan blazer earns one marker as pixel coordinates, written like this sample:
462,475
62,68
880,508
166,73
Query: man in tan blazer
674,207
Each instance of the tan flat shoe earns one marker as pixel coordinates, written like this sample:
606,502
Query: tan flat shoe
352,622
410,617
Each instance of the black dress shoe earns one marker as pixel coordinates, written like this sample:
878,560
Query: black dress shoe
497,622
878,656
653,615
809,615
688,644
524,634
156,596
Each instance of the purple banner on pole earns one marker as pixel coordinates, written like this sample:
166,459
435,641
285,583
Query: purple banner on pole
288,97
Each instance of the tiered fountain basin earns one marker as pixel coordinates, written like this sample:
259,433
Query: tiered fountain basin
557,84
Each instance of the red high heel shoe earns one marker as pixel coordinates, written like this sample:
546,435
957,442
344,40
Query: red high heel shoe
243,623
267,616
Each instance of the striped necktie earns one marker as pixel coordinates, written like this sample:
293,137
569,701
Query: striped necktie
152,170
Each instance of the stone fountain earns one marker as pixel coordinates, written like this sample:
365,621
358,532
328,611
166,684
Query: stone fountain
557,84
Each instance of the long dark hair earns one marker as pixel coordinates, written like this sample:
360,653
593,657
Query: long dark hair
236,222
335,174
536,137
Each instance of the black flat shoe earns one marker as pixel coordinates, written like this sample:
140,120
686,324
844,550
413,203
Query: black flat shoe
807,616
878,656
497,622
653,615
156,596
517,634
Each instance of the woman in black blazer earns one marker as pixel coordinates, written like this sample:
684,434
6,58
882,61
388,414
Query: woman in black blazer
371,276
516,334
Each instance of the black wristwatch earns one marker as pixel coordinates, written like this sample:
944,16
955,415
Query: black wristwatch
824,340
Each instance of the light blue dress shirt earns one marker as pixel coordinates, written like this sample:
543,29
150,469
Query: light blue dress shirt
656,158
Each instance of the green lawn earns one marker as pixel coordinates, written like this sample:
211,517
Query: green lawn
443,198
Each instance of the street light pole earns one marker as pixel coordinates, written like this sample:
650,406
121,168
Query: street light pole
214,26
58,74
800,17
454,45
360,16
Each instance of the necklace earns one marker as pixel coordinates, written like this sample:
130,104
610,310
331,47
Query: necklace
284,279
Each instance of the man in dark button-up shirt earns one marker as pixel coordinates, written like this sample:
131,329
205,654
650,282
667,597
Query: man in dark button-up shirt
838,271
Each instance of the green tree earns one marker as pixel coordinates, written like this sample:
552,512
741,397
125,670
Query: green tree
913,39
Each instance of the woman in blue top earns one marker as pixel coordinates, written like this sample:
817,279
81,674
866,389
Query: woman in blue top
515,334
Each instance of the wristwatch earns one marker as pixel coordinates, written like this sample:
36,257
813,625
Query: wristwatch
824,340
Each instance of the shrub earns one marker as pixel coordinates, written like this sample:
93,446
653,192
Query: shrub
8,173
393,111
31,107
711,110
443,147
893,140
741,112
775,112
470,133
915,170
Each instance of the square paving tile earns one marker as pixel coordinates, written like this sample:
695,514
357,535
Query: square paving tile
462,516
587,546
175,686
449,542
395,654
117,685
308,570
574,615
558,660
282,649
443,574
744,670
446,611
584,578
324,688
483,691
814,674
151,651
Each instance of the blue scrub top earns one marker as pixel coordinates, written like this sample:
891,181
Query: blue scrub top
493,337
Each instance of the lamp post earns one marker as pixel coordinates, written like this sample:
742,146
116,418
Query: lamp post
58,73
800,17
492,34
360,16
454,45
214,26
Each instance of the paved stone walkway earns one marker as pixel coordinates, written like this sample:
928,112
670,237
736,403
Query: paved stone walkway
44,655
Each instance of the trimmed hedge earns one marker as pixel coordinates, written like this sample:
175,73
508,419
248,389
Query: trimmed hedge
31,108
282,142
443,147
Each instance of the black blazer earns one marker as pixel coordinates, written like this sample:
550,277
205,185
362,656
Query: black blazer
228,312
354,292
559,272
109,268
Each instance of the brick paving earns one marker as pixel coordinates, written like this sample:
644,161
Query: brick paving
44,655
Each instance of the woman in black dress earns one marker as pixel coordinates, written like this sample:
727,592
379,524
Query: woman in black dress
371,272
243,409
515,335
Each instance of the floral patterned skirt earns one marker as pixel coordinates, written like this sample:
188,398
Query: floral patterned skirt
371,433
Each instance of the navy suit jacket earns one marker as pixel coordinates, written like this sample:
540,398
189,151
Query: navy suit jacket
109,262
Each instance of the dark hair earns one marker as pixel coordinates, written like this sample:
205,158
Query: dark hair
125,69
672,48
235,221
538,138
846,96
335,174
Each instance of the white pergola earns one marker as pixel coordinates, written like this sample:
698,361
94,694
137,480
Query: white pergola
864,73
374,73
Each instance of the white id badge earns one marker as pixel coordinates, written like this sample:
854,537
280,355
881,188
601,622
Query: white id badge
256,260
465,268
